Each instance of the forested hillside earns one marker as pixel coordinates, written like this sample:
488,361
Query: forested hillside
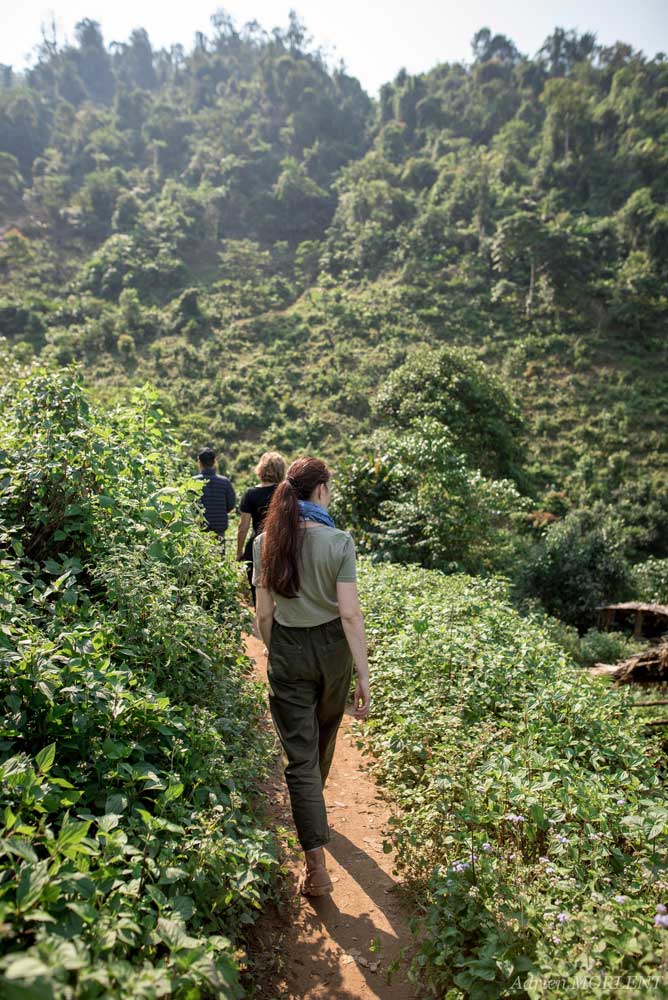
243,227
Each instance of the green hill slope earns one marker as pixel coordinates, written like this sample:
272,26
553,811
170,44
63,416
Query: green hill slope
244,228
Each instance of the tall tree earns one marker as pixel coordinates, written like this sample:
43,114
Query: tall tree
94,62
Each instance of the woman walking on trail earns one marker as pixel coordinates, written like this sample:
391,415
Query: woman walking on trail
310,619
270,470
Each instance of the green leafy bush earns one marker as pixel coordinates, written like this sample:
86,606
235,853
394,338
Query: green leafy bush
131,859
605,647
127,261
578,565
651,580
531,817
417,500
593,646
452,386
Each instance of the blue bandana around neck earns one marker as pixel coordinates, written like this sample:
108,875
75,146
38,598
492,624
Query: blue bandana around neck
314,512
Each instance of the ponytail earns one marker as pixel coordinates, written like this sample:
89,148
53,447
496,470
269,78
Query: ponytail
281,542
283,533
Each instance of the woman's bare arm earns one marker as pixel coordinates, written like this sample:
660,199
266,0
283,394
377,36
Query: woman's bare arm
265,613
242,531
353,626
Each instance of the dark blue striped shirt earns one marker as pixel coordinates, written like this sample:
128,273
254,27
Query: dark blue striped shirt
218,499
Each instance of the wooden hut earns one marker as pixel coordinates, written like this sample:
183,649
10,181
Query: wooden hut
646,621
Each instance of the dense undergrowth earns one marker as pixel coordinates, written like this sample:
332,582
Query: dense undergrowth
131,858
531,811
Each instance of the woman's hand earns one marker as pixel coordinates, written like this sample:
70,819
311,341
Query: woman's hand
353,626
362,699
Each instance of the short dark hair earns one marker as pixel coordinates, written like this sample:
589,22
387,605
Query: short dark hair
207,456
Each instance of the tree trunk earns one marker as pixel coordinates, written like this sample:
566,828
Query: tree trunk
532,284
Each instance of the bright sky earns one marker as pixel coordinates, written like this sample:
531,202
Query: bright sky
375,38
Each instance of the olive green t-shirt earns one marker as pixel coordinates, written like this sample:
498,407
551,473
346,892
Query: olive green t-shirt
327,558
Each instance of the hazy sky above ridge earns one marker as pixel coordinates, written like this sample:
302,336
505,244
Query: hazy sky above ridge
374,39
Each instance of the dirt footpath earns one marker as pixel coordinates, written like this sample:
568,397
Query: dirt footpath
339,947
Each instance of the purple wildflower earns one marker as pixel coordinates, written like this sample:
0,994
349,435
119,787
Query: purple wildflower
515,817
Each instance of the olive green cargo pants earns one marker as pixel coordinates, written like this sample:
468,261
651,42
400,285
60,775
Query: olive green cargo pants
309,675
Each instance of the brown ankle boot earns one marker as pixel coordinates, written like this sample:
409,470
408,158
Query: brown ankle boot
315,881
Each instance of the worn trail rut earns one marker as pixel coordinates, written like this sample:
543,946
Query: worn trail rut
340,947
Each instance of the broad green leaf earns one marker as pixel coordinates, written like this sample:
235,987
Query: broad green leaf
116,804
173,934
172,792
9,818
33,879
156,895
45,758
71,834
20,848
183,905
657,828
108,822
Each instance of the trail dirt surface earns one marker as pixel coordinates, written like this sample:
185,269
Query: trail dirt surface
339,947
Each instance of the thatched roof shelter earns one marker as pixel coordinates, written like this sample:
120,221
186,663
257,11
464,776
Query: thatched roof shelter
649,621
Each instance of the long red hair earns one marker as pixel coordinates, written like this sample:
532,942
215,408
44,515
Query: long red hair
283,534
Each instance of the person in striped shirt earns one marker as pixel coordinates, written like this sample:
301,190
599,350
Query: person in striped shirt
218,497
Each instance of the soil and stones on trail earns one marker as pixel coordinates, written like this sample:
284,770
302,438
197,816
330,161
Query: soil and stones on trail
340,947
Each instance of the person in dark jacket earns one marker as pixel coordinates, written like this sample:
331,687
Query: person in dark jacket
218,497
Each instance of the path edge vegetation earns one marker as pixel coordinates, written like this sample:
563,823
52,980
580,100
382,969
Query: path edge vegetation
133,857
531,824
